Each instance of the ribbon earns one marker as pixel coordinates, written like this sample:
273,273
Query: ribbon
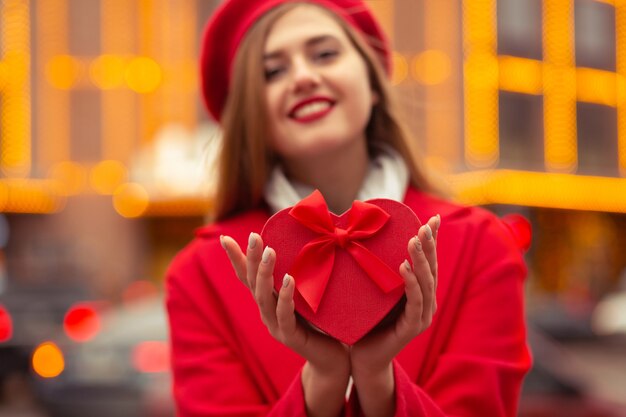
314,263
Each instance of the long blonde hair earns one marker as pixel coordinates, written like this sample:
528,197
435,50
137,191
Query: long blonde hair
245,160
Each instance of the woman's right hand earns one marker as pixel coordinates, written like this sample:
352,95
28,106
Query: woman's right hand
327,370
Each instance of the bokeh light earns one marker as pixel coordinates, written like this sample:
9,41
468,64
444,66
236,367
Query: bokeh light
138,290
106,176
71,175
4,73
131,200
63,71
6,325
107,71
47,360
432,67
151,356
143,75
81,323
400,68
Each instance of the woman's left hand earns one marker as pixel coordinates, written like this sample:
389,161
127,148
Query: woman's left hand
371,357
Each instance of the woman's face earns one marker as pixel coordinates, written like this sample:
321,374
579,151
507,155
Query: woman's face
317,89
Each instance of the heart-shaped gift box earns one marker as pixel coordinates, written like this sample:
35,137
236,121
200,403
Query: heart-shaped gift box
346,267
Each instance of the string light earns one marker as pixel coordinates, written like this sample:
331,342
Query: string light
15,147
559,79
481,83
536,189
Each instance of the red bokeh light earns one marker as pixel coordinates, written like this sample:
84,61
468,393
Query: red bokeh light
81,322
151,356
520,228
138,290
6,325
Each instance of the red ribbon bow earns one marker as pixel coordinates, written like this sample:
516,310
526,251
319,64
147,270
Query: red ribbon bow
314,263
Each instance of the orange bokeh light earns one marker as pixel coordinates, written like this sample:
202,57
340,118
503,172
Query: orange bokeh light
48,360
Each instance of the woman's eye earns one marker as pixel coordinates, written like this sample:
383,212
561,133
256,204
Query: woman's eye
271,73
326,54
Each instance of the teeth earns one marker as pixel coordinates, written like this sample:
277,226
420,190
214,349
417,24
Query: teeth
312,108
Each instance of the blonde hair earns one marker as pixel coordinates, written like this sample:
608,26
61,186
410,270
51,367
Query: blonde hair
245,160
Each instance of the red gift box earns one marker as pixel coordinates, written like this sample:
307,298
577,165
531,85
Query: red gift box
345,267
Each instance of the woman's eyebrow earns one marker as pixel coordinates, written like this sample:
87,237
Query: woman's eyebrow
310,42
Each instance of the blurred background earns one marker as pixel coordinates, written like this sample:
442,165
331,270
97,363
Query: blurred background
106,169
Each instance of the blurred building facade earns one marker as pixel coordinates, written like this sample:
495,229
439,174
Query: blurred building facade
520,105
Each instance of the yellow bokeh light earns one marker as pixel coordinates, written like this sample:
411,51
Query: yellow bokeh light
597,86
432,67
520,75
143,75
4,196
535,189
70,175
131,200
30,196
400,68
107,176
559,79
107,71
4,73
15,105
48,361
63,71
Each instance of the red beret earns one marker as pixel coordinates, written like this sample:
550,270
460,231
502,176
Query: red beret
233,18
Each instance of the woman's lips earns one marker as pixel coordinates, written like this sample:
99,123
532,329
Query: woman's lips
311,110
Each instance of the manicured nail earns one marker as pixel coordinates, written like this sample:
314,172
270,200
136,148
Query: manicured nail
406,265
417,243
266,255
251,241
286,279
438,221
222,241
428,231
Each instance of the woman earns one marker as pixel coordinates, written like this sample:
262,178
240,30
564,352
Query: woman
300,90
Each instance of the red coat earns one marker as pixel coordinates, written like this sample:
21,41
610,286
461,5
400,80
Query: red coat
470,362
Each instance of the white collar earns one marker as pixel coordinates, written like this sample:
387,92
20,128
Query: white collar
387,177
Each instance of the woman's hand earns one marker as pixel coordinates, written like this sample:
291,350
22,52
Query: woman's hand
327,370
371,357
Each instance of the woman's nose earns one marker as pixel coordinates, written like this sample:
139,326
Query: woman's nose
305,77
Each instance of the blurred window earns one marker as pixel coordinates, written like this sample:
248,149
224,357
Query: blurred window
595,35
519,28
597,140
521,131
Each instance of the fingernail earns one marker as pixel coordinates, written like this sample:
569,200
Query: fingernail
251,241
428,231
418,244
438,220
266,255
286,279
222,241
407,265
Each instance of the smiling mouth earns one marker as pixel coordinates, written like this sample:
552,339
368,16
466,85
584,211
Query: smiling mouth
311,111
